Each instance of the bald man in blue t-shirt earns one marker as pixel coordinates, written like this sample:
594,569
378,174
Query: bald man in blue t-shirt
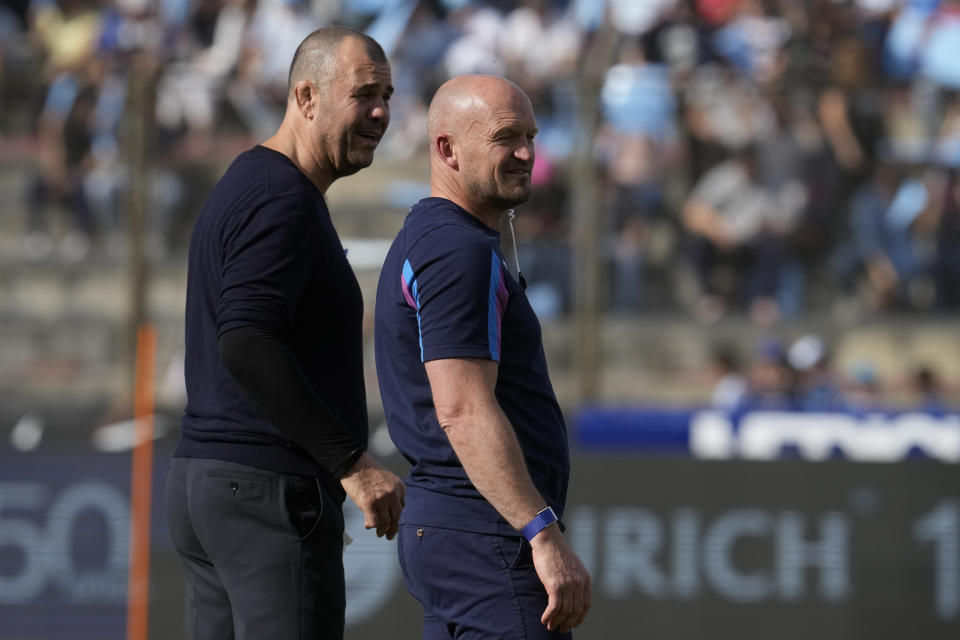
466,391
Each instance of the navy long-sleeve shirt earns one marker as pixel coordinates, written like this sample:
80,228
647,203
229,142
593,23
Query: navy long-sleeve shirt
274,363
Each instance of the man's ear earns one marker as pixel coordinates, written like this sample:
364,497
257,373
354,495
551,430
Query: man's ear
446,152
304,95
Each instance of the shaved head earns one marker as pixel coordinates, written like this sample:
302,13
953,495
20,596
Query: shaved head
316,57
460,102
481,131
338,104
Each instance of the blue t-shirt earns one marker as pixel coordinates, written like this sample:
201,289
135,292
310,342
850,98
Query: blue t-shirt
445,292
264,254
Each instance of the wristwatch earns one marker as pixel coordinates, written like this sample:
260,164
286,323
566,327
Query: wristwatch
540,521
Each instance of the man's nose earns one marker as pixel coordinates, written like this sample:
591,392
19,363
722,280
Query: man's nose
524,151
380,111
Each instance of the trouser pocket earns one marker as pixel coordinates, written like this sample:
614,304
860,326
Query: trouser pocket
304,501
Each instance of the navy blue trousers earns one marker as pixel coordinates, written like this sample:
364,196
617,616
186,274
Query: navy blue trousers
473,586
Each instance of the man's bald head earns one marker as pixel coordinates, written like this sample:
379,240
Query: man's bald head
462,101
316,57
481,131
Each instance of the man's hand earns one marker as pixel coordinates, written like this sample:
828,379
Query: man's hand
379,494
565,579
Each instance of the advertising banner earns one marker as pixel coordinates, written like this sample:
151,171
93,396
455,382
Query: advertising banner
677,548
710,434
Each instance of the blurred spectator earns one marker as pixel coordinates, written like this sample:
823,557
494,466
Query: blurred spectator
538,43
637,139
815,385
634,17
864,391
889,222
904,42
67,34
60,182
866,249
926,385
940,46
753,41
768,378
258,91
730,386
848,109
476,49
783,160
190,89
723,111
679,40
737,226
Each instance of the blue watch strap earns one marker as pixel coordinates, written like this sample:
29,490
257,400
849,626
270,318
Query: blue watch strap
539,522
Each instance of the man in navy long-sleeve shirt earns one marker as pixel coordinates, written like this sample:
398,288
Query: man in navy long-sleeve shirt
275,428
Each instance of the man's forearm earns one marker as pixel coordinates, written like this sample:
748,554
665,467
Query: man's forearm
488,449
482,436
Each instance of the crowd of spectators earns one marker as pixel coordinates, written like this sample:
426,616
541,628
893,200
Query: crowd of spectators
802,376
767,157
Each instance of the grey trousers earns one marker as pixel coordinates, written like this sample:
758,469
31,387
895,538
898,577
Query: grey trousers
262,552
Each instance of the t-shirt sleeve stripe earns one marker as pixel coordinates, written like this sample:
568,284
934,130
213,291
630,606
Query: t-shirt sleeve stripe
496,303
408,284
